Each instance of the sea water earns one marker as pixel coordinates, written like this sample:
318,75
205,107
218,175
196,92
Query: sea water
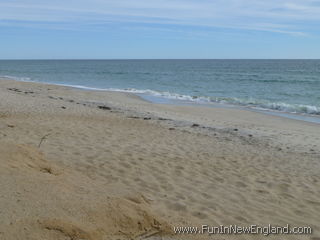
287,86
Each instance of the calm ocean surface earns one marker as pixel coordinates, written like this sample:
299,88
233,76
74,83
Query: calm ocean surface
278,85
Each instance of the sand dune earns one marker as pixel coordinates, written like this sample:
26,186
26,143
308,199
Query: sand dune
111,166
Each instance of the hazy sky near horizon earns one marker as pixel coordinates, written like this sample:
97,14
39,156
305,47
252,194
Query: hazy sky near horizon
33,29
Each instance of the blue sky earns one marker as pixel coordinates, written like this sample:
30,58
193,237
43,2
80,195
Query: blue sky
36,29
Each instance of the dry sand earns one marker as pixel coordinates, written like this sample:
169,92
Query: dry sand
93,165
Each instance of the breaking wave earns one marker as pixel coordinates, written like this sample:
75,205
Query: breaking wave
249,102
254,103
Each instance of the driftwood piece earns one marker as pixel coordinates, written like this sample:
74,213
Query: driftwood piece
42,139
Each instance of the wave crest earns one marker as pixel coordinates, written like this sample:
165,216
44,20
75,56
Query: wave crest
253,103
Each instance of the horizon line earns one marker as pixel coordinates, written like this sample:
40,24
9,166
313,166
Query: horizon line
128,59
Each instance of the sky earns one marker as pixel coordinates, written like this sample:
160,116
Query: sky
165,29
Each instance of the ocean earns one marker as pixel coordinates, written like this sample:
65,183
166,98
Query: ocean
278,86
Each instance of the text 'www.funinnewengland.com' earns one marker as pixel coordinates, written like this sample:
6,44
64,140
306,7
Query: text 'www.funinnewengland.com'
241,230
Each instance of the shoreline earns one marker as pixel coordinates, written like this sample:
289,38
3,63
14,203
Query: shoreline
165,100
109,165
179,114
288,115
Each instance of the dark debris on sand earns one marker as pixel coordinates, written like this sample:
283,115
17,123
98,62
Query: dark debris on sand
104,107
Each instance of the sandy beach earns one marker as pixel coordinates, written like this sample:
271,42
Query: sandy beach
96,165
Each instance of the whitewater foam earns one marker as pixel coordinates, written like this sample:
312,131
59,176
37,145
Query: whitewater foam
249,102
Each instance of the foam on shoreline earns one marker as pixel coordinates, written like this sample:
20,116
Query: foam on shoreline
295,111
